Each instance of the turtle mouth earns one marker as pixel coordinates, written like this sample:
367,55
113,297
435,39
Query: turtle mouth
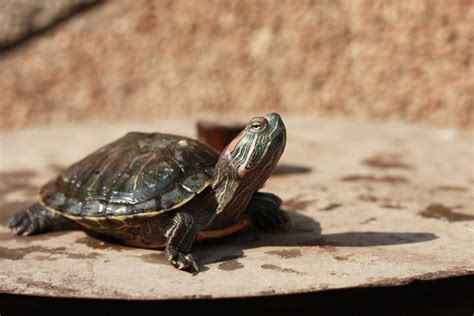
280,137
277,130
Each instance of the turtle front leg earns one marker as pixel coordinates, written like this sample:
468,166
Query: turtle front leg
36,219
264,210
180,237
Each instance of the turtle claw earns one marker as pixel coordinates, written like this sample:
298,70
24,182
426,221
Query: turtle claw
183,262
29,221
22,224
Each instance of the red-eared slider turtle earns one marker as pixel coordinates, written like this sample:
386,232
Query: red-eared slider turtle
158,190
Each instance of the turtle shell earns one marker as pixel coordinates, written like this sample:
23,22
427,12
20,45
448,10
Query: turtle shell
140,173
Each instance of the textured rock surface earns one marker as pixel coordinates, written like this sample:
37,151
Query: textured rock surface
371,204
20,18
409,60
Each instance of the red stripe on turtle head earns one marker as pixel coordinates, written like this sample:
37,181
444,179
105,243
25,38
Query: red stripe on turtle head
230,148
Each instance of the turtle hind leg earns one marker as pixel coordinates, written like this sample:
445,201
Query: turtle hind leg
264,210
180,235
36,219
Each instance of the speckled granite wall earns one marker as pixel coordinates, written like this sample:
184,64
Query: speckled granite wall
410,60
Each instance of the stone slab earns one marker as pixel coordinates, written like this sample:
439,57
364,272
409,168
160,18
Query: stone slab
371,204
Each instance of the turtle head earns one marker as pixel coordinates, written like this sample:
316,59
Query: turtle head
249,159
254,153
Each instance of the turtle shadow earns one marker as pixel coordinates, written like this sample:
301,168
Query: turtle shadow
289,168
227,250
304,232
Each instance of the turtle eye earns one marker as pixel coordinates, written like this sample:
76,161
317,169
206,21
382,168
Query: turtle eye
258,124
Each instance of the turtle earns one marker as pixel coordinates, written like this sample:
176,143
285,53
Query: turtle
156,190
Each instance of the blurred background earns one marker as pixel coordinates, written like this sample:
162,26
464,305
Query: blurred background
77,60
